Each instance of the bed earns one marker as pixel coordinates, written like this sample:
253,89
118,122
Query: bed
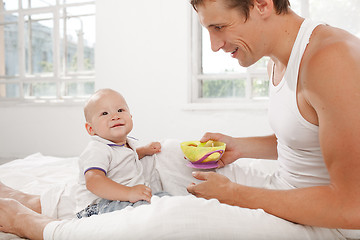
181,216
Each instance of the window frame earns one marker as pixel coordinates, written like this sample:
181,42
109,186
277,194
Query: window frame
59,74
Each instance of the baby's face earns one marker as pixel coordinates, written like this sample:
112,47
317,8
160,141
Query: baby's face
110,118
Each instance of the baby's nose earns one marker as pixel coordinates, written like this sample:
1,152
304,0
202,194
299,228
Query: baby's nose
115,116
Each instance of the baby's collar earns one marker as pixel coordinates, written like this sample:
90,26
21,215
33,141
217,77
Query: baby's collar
130,141
115,145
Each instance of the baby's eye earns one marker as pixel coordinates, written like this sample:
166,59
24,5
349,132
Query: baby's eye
104,113
120,110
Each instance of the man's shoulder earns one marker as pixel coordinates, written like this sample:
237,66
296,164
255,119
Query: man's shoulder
330,50
328,44
331,59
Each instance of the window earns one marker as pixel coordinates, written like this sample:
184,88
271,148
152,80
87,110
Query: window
216,77
46,50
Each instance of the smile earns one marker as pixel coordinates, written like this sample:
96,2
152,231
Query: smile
233,52
117,125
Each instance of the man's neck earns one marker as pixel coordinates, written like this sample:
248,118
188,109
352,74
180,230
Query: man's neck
285,30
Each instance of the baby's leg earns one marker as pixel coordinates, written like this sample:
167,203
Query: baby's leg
17,219
28,200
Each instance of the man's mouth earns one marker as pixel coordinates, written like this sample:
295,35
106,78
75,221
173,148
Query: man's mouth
233,52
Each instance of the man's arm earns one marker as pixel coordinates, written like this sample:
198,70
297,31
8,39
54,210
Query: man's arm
332,87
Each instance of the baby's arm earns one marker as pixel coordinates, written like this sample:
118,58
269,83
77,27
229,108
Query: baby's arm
104,187
148,150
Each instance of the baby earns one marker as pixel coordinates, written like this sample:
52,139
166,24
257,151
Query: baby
111,175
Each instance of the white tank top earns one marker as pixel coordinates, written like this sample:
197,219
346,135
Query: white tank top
301,163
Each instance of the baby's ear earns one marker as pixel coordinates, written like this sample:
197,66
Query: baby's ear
89,129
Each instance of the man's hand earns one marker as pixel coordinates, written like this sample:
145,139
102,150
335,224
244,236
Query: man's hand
231,152
214,185
249,147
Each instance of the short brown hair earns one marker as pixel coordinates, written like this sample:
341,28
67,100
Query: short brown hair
281,6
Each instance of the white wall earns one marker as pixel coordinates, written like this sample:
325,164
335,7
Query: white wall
142,51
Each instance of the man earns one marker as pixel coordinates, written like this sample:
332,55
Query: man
315,86
320,85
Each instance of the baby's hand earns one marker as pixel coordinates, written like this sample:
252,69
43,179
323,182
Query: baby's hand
149,149
139,192
152,148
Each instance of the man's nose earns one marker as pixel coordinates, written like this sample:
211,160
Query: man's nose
216,42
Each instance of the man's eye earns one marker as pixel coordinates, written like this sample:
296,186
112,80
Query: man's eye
120,110
218,28
104,113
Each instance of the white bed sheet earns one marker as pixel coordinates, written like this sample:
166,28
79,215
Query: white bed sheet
179,217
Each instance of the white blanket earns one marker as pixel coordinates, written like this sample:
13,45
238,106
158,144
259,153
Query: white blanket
181,216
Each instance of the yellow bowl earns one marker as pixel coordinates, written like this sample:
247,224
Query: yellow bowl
194,150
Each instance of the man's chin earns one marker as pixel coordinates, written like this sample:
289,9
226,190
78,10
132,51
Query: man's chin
245,63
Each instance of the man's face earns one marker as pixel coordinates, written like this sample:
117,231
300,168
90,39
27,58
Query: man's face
230,32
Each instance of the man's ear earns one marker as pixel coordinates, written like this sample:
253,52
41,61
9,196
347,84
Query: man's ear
89,129
264,7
